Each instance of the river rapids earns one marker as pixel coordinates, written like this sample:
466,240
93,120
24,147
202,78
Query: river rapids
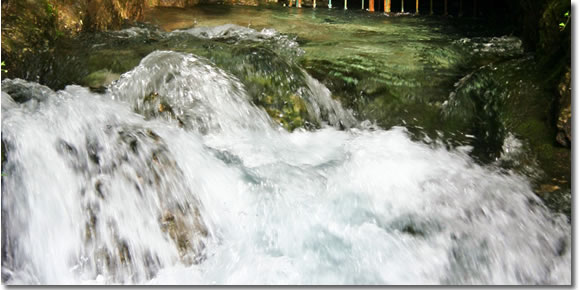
173,176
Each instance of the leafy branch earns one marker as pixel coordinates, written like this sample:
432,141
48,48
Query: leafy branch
563,25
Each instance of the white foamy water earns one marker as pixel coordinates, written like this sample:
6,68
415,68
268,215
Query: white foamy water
106,189
236,33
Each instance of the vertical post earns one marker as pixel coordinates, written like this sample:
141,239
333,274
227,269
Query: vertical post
431,7
460,8
372,5
445,13
314,4
362,4
329,4
290,3
299,4
474,8
388,6
344,4
417,7
402,6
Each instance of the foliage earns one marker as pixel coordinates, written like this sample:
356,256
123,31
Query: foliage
50,10
563,25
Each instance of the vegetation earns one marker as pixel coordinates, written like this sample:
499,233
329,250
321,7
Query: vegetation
563,25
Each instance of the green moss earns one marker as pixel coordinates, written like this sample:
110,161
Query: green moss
117,61
292,114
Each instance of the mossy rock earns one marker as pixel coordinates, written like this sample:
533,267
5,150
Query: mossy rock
291,115
100,78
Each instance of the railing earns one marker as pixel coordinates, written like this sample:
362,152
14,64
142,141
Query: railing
387,6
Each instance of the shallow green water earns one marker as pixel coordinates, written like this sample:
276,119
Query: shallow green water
392,70
401,70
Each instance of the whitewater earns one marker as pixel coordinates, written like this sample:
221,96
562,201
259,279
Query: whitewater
200,186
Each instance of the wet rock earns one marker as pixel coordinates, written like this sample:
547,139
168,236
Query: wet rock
564,123
123,252
564,136
22,91
290,112
93,150
180,219
177,230
477,104
415,226
99,189
140,157
548,188
72,155
186,228
411,230
156,106
266,74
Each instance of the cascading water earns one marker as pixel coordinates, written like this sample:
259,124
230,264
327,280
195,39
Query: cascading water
174,177
180,172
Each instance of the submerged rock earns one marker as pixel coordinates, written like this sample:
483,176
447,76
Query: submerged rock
477,106
100,78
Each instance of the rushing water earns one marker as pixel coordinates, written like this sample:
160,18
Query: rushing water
179,173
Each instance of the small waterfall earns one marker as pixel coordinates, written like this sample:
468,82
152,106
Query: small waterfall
173,176
189,90
92,177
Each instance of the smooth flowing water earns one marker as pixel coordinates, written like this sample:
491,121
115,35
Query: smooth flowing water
216,158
